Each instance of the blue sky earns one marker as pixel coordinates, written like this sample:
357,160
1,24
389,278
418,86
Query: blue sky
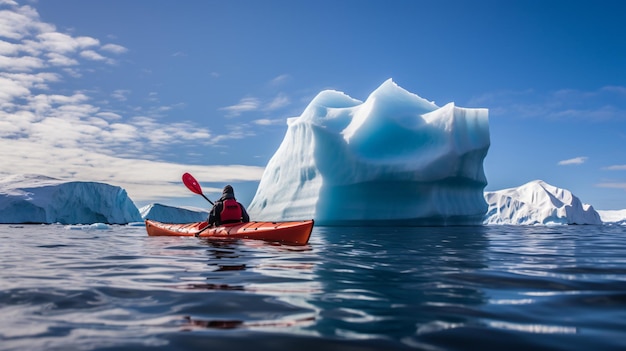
134,93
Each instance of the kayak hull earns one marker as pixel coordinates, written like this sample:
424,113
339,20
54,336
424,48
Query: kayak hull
294,233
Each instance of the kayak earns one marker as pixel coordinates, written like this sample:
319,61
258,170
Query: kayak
294,233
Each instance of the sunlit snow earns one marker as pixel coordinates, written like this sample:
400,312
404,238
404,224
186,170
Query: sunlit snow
394,159
538,202
613,216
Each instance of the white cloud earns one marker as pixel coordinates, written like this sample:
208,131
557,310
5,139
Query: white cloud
37,80
19,22
92,55
63,43
573,161
20,64
114,48
614,185
269,122
109,116
57,59
603,104
279,101
153,96
245,105
238,131
11,90
7,48
616,168
120,94
280,79
249,104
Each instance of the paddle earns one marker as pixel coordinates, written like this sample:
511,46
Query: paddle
192,184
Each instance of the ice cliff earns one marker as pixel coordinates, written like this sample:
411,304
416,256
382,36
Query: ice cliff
171,214
613,216
40,199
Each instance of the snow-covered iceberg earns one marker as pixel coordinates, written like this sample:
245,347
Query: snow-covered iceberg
394,159
538,202
613,216
171,214
40,199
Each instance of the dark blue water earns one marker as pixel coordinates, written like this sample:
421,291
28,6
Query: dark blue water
449,288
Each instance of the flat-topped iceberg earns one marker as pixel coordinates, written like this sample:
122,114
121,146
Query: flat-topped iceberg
538,202
172,214
40,199
394,159
613,216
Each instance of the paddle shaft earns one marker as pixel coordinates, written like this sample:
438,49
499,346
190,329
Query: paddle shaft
201,230
206,198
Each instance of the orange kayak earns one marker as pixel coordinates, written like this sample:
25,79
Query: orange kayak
294,233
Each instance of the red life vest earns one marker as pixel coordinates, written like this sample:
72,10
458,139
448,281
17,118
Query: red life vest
231,211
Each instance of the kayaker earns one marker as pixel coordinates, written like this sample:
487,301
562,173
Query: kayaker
227,209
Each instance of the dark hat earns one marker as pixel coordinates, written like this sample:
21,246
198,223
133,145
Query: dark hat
228,190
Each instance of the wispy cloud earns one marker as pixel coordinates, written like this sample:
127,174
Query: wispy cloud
278,102
613,185
280,79
573,161
120,94
269,122
92,55
114,48
51,41
238,131
616,168
246,104
251,104
606,103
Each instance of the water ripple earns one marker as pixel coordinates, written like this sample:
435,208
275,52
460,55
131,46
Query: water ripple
350,288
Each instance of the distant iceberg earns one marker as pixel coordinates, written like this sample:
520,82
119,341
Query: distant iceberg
538,202
613,216
170,214
40,199
394,159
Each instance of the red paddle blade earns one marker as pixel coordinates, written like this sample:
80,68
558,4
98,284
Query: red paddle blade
192,184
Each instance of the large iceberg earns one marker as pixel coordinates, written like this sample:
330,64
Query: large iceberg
40,199
172,214
394,159
538,202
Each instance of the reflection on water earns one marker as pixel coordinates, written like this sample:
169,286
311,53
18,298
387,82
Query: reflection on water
441,288
394,282
231,324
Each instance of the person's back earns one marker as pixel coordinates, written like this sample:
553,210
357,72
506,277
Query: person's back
227,209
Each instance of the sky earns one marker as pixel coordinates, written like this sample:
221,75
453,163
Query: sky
135,93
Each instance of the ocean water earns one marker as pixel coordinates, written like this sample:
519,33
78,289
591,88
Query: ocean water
446,288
